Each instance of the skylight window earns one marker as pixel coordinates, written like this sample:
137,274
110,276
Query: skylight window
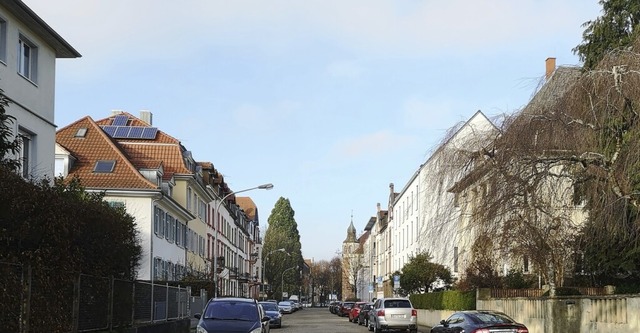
104,166
81,132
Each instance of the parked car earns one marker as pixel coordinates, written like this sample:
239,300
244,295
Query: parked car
355,311
335,308
232,315
345,307
393,313
273,311
285,307
363,315
479,321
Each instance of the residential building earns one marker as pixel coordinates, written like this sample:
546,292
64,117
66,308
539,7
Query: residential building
29,48
175,200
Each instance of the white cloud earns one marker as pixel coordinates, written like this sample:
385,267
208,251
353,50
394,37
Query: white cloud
152,28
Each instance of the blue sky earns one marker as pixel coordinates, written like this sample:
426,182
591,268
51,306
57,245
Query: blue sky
331,101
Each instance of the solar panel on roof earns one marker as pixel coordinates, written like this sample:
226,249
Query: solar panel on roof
122,132
104,166
149,132
120,120
136,132
110,130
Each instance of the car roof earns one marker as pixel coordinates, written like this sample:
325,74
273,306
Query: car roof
233,299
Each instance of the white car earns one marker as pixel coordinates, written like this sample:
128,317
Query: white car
285,307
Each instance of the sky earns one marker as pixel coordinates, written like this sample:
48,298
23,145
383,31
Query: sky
328,100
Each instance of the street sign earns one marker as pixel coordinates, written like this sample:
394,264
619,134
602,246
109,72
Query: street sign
396,282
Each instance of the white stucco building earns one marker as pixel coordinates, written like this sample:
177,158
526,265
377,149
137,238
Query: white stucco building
29,48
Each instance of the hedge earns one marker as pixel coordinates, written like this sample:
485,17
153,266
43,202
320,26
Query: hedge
445,300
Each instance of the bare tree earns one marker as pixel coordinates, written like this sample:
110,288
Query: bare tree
564,170
352,266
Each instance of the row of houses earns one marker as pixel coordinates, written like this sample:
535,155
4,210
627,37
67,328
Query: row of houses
185,212
433,212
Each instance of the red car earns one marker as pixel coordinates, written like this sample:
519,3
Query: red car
345,308
355,311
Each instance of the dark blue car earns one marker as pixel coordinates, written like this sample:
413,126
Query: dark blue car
272,310
233,315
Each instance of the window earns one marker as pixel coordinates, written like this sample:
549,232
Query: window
27,58
81,132
104,166
25,153
455,259
3,40
116,204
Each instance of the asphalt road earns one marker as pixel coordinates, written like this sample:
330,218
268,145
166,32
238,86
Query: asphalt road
320,320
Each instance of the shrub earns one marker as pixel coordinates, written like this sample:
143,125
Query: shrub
445,300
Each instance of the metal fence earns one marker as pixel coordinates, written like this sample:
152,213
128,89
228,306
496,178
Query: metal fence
60,302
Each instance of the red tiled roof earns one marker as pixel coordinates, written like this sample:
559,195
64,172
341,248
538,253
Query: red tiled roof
248,206
94,146
129,153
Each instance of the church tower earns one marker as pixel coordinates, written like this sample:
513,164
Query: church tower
350,259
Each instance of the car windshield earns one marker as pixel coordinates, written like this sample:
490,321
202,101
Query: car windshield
492,318
230,310
268,306
397,303
285,303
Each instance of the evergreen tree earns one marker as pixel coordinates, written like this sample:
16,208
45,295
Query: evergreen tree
616,28
282,233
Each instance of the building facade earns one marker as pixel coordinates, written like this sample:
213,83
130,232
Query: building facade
29,49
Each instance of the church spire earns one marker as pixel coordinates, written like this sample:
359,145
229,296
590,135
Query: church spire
351,232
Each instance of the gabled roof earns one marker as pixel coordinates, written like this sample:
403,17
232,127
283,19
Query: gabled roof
95,146
163,148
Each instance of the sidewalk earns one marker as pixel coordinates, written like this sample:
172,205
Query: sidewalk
424,329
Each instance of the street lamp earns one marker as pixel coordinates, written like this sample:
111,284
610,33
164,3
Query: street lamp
217,228
282,281
264,262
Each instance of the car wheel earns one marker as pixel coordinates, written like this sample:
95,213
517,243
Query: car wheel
413,331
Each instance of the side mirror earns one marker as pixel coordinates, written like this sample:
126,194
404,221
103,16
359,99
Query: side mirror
197,316
266,318
443,322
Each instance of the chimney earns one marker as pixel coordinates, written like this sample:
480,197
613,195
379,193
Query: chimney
146,116
550,67
116,112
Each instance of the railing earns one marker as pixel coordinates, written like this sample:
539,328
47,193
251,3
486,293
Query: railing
508,293
57,301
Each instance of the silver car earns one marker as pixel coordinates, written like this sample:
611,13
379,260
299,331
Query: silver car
393,313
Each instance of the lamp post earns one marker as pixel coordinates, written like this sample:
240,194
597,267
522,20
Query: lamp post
282,281
217,227
264,261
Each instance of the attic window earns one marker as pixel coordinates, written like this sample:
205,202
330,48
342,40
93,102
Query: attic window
81,132
104,166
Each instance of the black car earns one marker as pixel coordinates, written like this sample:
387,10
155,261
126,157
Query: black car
479,321
363,315
233,315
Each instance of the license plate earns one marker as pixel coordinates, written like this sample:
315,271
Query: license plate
397,316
